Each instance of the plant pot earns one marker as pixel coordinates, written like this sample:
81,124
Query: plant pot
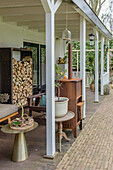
61,107
92,87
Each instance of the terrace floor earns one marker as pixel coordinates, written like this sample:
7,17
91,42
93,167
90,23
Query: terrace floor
36,141
93,149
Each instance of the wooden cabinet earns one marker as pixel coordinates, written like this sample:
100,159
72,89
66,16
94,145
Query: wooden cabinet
14,62
72,88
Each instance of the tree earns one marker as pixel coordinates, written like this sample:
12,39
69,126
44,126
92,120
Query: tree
107,17
96,5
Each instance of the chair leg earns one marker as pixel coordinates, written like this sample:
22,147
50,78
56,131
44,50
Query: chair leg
9,120
75,131
80,126
30,112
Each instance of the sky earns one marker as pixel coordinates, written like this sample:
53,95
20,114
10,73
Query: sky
104,9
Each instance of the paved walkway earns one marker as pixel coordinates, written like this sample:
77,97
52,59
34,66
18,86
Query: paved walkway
93,149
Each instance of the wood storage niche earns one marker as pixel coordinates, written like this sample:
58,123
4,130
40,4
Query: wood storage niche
16,74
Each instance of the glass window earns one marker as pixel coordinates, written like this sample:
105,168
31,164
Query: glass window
39,66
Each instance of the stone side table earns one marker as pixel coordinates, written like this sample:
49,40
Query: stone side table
59,120
20,151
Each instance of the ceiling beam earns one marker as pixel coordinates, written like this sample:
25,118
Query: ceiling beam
58,27
19,11
18,3
35,17
23,18
59,30
70,28
63,26
63,16
30,23
42,23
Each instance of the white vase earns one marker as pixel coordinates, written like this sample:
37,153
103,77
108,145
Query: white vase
61,107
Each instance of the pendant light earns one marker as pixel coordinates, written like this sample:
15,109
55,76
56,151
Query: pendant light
91,38
66,34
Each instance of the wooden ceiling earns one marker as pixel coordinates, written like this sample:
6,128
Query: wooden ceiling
30,14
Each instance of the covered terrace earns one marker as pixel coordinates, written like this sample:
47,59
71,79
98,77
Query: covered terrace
43,21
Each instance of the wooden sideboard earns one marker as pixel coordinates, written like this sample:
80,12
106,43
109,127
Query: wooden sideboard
72,88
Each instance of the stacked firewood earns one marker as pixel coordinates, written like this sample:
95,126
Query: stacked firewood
22,81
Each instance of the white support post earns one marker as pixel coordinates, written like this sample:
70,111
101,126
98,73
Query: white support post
57,4
47,5
50,9
102,64
82,58
52,1
77,64
96,67
50,80
108,59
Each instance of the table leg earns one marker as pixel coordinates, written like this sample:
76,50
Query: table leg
20,152
60,134
65,136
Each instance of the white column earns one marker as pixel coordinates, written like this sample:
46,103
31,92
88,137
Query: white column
102,64
77,64
108,59
83,58
96,67
50,8
50,80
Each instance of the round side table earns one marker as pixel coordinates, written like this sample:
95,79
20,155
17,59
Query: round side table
20,151
59,120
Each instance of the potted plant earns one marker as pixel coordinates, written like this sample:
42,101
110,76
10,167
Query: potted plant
23,122
61,103
62,60
92,73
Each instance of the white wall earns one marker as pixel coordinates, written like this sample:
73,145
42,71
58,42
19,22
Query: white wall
13,36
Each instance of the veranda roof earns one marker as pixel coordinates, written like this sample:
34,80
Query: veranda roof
30,14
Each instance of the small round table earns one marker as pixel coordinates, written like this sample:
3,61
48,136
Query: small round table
59,120
20,151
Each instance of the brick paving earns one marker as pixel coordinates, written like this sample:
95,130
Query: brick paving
37,146
93,149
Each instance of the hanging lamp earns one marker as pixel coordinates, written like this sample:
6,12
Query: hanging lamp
66,34
91,38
